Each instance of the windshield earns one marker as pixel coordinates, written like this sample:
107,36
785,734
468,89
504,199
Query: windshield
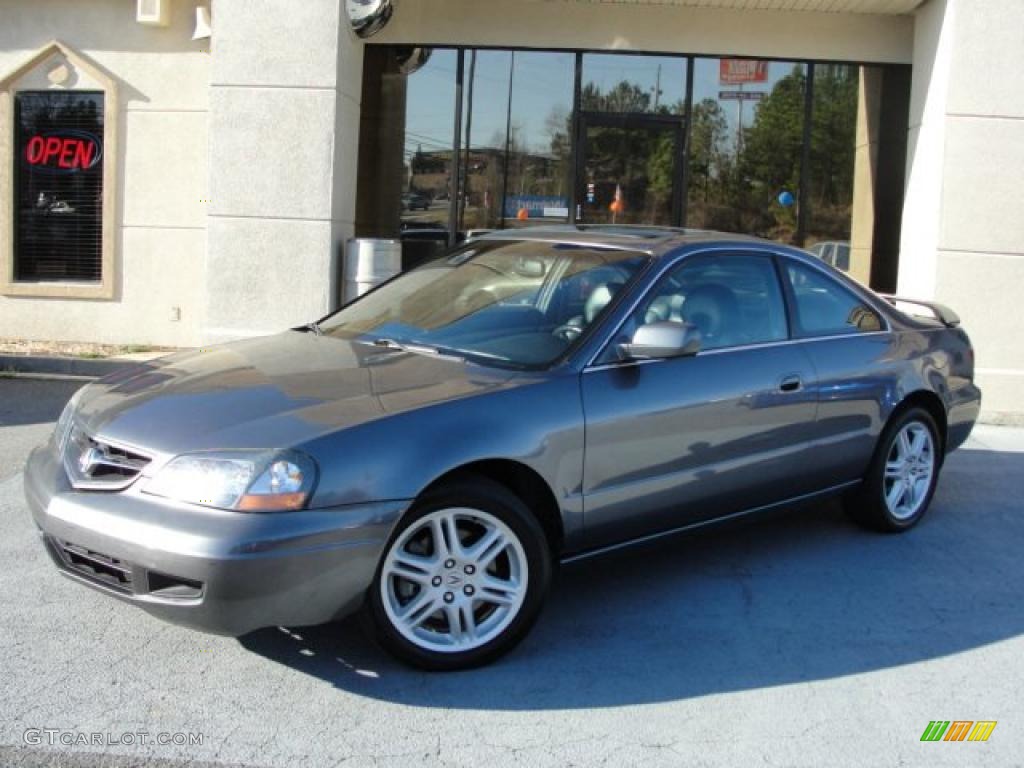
520,303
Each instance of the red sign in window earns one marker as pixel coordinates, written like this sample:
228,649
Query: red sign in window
736,71
65,151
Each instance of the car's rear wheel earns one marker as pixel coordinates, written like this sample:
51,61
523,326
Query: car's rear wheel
462,579
903,474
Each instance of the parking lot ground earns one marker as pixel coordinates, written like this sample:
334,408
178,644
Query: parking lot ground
799,640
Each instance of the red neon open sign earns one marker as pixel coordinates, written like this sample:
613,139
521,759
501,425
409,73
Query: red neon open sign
64,151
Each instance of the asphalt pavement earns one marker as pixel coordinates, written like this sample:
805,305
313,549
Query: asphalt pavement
798,640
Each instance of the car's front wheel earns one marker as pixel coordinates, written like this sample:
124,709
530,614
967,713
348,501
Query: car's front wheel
462,579
903,474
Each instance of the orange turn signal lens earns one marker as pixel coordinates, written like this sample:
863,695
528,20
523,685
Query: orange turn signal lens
271,502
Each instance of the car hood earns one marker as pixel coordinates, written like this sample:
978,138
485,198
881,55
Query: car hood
271,392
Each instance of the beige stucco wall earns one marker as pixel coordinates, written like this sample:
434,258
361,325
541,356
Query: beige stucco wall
284,98
160,238
963,233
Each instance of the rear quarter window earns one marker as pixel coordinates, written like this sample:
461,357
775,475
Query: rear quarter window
824,307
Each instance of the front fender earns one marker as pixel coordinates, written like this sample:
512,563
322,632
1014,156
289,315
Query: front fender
537,422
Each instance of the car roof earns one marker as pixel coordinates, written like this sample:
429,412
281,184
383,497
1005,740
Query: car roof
653,240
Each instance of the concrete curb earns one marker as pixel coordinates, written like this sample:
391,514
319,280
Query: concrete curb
39,366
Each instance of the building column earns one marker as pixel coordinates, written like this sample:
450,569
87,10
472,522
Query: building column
284,122
963,235
383,175
865,171
879,178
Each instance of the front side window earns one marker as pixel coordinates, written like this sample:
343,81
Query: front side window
58,173
515,303
733,300
823,307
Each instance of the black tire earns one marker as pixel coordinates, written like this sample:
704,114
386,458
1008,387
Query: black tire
491,498
867,504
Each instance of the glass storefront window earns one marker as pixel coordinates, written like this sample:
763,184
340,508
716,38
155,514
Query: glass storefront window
745,146
427,147
485,134
633,83
516,153
831,171
712,143
540,174
631,170
631,138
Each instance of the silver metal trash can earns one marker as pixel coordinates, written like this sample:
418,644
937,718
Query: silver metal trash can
369,262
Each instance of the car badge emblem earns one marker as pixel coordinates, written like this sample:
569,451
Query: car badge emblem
89,459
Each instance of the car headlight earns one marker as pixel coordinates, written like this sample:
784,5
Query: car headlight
245,481
63,428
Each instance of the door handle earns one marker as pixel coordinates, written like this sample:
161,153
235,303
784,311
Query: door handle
790,383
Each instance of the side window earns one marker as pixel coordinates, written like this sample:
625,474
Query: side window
733,300
826,308
842,260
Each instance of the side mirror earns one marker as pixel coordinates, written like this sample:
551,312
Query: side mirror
531,268
864,319
662,339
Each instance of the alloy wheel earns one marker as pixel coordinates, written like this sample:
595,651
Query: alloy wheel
454,580
909,469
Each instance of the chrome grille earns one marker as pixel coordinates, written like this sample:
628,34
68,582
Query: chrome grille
98,465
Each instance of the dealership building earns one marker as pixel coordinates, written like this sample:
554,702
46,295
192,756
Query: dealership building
181,173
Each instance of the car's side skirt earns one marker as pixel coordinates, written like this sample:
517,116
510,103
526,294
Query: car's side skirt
796,500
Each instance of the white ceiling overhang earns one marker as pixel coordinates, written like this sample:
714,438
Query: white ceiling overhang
891,7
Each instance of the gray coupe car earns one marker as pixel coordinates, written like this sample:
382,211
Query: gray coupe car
431,450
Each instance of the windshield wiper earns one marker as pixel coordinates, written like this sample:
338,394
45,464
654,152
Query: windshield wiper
416,348
388,343
439,351
313,328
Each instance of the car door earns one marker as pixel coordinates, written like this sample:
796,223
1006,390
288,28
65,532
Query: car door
675,441
851,350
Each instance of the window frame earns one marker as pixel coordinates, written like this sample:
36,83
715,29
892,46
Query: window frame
26,77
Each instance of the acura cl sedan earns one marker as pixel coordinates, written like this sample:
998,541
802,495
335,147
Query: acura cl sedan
430,451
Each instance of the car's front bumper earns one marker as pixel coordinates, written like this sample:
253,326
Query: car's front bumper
218,571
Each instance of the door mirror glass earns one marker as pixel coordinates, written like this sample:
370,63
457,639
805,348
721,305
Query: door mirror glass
530,267
663,339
